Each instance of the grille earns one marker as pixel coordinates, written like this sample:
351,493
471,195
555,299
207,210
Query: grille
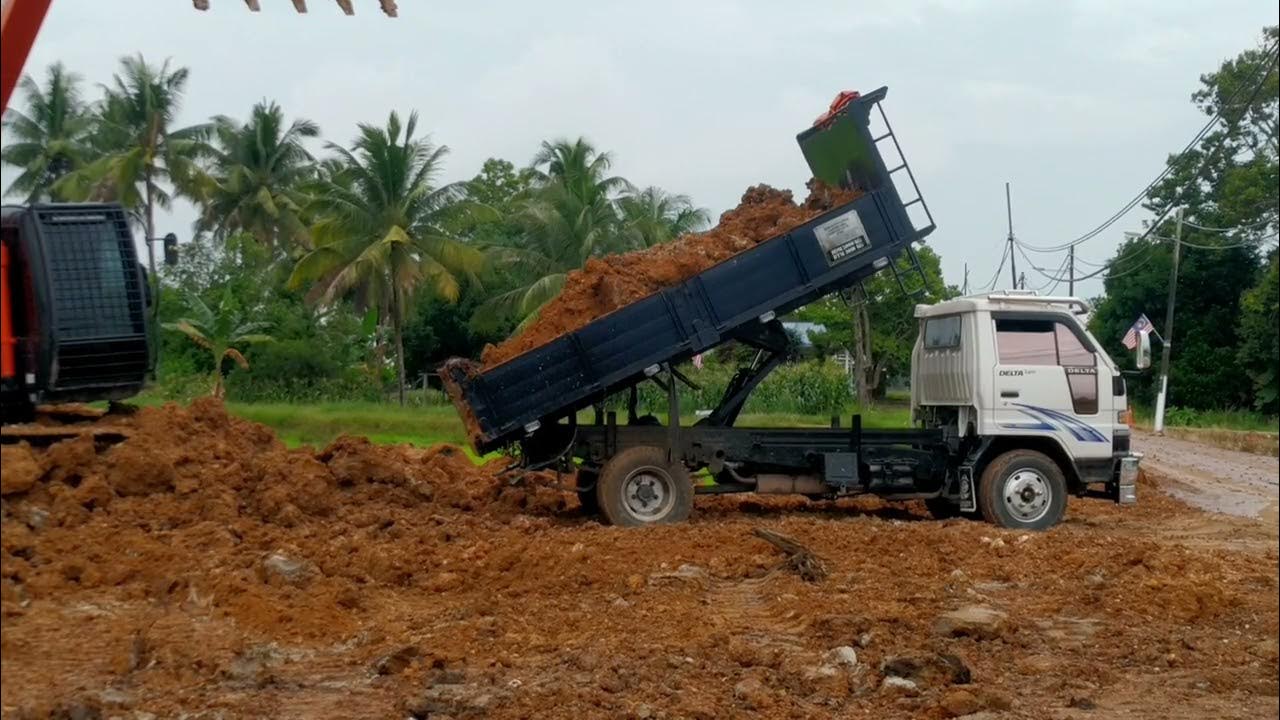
107,362
99,313
95,283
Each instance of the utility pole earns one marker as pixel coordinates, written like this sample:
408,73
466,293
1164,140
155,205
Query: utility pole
965,291
1071,271
1162,397
1013,261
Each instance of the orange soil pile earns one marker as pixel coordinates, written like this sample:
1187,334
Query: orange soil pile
200,569
608,283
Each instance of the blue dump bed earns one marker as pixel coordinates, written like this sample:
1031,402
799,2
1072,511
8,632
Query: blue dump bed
825,255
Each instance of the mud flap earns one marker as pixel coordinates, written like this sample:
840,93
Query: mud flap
968,500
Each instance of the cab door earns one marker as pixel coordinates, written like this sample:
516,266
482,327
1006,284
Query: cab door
1046,381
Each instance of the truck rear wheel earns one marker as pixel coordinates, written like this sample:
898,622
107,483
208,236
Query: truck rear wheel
1023,489
639,487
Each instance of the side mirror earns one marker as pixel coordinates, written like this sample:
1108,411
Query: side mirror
1142,354
170,249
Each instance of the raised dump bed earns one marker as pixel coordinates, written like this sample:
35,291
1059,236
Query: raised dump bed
832,252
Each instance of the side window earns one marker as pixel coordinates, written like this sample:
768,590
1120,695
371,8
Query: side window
1026,342
1082,371
942,332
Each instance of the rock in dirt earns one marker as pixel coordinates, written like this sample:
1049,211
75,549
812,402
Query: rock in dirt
753,694
944,669
281,568
19,470
1081,702
975,621
395,663
995,699
1267,650
844,656
959,702
894,685
450,700
253,666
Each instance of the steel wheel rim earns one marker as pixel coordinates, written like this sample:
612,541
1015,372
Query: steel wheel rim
1027,495
648,493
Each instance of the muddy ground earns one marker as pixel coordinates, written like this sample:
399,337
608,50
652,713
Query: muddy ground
199,569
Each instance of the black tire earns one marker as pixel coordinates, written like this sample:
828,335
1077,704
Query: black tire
639,487
1023,490
587,498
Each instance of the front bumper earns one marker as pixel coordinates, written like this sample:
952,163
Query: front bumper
1126,483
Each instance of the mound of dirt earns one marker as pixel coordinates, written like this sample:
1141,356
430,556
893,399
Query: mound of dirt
200,568
608,283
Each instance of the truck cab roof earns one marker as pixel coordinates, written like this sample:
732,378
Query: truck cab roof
1023,300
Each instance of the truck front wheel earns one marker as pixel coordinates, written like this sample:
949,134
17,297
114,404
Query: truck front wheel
1023,489
639,487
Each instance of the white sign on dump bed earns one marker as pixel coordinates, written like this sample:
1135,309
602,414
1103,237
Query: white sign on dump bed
842,237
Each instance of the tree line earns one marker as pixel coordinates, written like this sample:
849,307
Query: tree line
1226,332
363,230
364,270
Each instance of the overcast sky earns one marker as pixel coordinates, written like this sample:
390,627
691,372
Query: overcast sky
1076,103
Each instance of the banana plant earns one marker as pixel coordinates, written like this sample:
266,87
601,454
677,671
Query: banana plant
222,332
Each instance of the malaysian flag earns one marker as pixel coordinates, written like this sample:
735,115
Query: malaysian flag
1140,326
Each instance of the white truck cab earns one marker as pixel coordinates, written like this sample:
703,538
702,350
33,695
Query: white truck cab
1037,408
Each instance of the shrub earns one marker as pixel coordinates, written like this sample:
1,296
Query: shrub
810,388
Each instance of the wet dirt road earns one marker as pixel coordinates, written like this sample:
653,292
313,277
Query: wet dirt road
1212,478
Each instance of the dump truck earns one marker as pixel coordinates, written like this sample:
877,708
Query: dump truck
1015,405
75,306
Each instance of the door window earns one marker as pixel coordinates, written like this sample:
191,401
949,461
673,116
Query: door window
1049,342
1026,342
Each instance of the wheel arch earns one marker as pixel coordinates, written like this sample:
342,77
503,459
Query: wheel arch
1044,444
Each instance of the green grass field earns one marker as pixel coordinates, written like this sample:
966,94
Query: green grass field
317,424
1239,420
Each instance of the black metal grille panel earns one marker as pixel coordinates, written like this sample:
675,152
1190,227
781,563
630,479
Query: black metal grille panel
95,284
106,362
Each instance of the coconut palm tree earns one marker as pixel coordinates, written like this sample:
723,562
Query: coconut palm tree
570,215
255,178
221,332
653,216
379,238
579,168
49,139
140,152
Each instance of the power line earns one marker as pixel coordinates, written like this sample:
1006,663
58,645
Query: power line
995,278
1053,281
1247,243
1169,167
1143,253
1151,228
1260,223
